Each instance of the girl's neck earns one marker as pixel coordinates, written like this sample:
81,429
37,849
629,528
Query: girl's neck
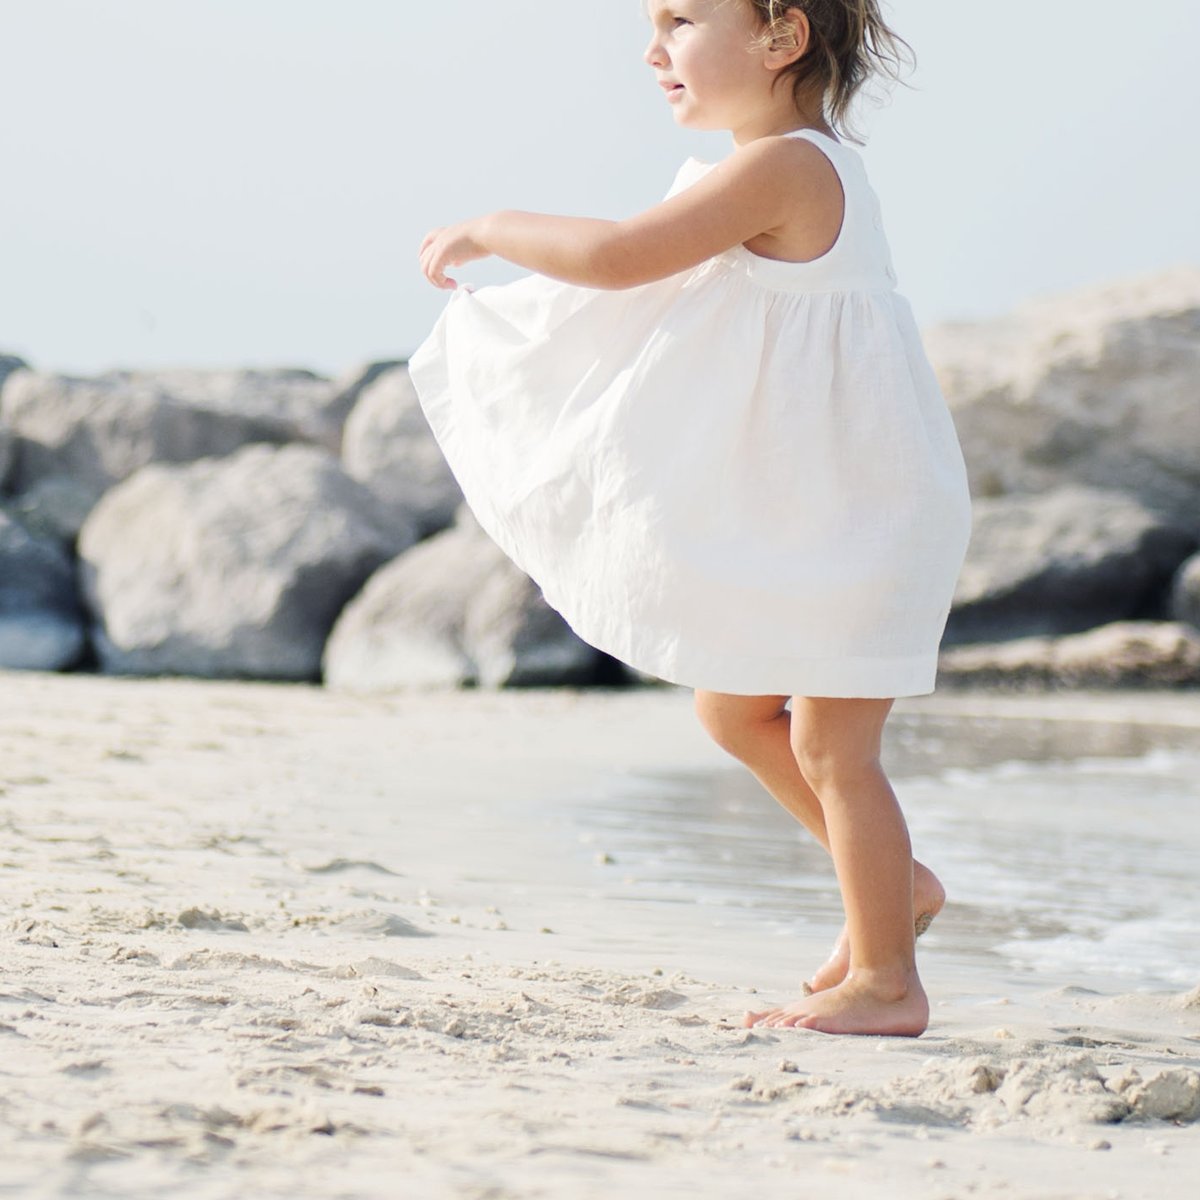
784,118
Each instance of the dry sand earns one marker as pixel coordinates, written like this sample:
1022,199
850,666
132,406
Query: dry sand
271,941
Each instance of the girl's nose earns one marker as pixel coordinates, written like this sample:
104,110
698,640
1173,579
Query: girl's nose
654,55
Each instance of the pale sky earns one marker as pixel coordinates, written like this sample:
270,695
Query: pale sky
246,182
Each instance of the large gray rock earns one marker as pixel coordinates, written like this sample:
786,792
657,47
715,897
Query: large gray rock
233,567
350,385
95,432
388,446
55,507
296,403
8,364
1062,562
6,456
41,619
1098,386
1132,654
1185,593
453,611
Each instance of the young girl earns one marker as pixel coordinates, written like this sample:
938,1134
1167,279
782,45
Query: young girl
710,434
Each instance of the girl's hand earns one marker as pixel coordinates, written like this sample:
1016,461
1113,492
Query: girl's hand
451,246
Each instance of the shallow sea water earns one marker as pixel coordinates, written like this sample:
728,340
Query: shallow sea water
1070,851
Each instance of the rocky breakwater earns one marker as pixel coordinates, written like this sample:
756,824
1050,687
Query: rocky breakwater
223,523
1079,418
281,525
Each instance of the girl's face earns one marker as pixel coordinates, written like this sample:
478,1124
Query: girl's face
700,51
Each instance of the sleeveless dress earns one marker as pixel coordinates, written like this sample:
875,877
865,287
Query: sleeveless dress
743,477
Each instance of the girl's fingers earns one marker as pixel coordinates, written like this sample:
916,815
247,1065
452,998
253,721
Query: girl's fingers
429,267
428,257
434,261
437,277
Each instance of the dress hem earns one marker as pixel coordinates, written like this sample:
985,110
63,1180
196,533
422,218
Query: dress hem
843,677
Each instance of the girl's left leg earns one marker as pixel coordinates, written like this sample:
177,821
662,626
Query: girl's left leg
837,744
757,731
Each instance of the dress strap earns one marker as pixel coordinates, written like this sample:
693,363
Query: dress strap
859,258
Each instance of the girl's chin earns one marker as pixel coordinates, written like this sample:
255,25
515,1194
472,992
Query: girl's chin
699,124
689,116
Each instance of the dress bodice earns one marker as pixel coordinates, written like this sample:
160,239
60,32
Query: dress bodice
860,258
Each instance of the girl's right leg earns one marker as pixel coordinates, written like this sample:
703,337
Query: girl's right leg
837,742
756,730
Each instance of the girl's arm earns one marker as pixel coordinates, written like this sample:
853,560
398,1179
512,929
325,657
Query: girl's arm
755,190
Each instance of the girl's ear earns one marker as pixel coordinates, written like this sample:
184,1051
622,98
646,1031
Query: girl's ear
789,39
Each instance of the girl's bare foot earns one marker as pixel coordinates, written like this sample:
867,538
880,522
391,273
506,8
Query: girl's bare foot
928,898
857,1005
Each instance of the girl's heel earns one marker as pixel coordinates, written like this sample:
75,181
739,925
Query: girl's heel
920,925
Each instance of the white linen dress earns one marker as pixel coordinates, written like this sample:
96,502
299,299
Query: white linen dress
743,477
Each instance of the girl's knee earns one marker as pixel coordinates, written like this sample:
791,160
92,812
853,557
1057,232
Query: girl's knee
823,763
732,721
834,738
719,720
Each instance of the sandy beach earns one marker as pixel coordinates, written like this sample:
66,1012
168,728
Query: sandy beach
270,940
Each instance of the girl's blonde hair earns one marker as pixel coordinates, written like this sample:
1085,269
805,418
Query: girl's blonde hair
850,42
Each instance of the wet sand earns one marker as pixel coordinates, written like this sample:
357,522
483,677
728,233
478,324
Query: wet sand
269,940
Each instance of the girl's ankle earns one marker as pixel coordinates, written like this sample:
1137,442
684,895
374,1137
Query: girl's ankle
890,984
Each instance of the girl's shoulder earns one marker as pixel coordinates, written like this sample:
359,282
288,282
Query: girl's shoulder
838,212
802,149
810,183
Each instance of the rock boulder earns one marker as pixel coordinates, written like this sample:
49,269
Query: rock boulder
1127,654
453,611
1185,593
232,567
1098,386
93,432
389,447
41,618
6,456
350,385
8,364
1062,562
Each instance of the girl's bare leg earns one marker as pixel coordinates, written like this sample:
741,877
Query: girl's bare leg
837,742
757,731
